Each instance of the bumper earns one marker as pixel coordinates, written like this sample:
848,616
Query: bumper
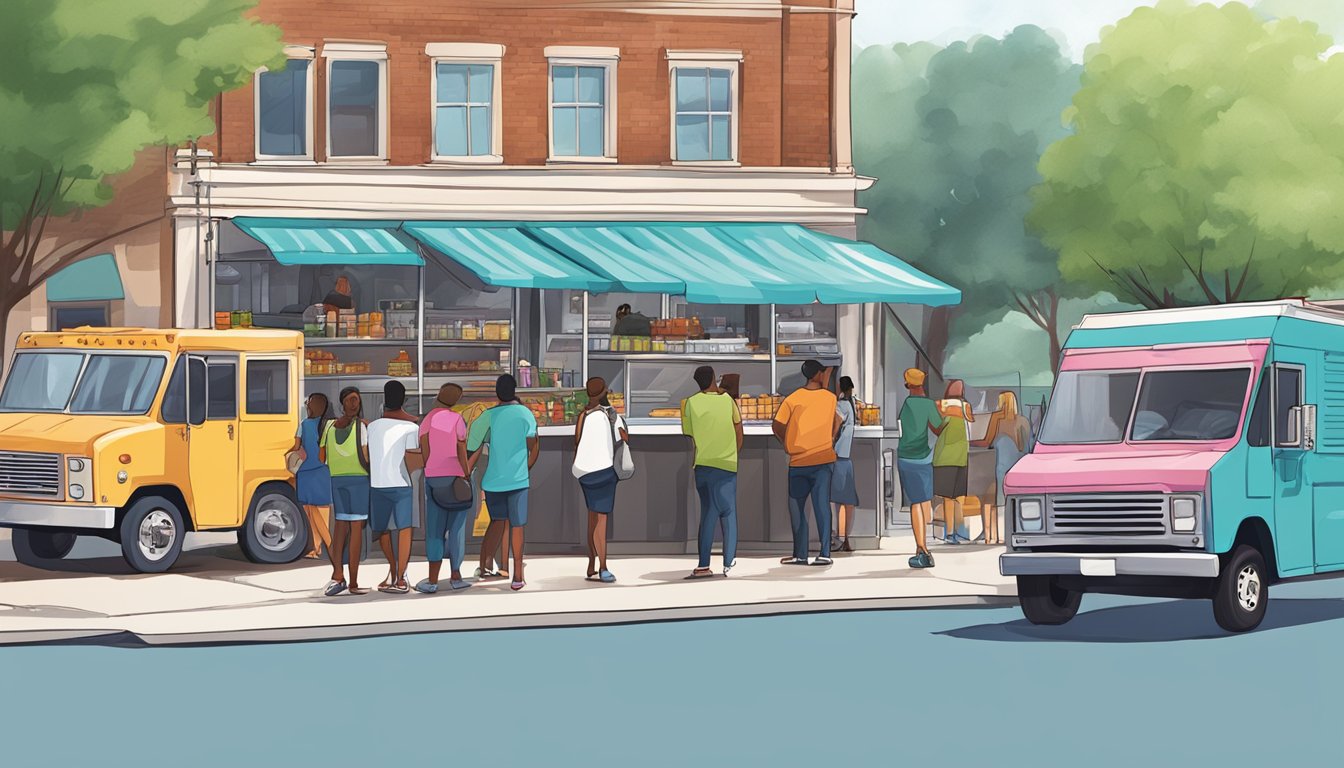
56,515
1181,564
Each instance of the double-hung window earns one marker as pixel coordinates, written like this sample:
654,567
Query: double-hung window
466,97
704,105
284,108
583,103
356,101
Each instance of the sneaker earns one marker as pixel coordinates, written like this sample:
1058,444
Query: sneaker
922,560
823,561
728,567
427,587
793,561
459,584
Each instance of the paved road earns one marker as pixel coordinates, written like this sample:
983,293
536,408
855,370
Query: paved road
1130,682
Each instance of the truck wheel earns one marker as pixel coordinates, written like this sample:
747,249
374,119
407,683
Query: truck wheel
38,547
1241,594
152,534
1043,601
276,529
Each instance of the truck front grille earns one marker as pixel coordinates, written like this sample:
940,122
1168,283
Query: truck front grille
1109,513
30,474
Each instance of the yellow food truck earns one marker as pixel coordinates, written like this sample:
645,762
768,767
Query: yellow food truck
141,435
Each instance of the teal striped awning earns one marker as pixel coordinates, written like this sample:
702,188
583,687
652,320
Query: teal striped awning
328,241
93,279
506,256
708,263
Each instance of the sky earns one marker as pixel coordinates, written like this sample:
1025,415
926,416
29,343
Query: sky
1076,23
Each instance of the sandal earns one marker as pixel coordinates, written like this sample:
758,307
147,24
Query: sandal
358,591
517,585
334,588
700,573
488,575
606,577
592,577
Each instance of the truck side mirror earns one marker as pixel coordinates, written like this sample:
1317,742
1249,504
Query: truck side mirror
1293,431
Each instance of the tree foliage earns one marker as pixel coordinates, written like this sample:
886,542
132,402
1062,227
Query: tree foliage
84,86
954,137
1206,163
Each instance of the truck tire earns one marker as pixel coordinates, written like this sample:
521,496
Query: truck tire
38,547
1043,601
276,528
1241,594
152,534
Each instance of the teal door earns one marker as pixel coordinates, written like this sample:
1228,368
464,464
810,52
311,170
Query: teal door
1293,517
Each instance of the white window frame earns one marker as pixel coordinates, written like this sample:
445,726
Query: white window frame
291,52
729,60
483,54
337,51
583,56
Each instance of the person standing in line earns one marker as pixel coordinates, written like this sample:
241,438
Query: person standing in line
807,424
312,481
510,431
1009,434
345,450
443,443
595,468
394,452
713,422
951,456
844,488
914,461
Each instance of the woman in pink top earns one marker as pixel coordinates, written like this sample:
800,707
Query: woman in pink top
443,442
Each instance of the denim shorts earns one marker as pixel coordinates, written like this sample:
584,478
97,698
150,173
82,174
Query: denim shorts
508,505
391,508
350,494
599,490
916,480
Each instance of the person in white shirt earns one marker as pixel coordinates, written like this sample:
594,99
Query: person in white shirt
595,468
394,451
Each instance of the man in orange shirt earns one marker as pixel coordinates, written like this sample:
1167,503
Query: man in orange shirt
807,424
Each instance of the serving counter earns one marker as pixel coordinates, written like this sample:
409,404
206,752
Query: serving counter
658,511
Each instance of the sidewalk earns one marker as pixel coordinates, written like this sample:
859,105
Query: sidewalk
213,595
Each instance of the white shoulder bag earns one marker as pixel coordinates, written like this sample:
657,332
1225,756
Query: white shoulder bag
622,461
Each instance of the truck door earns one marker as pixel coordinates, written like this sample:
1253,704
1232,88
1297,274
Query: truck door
1293,517
212,392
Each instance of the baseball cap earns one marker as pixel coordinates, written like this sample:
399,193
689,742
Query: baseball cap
914,377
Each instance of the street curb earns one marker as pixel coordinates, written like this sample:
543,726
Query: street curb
129,639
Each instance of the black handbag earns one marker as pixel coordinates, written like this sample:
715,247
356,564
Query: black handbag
455,495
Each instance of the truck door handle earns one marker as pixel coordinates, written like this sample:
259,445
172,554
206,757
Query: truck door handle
230,431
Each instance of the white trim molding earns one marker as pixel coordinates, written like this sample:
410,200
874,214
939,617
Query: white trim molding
577,56
682,55
729,60
375,52
464,51
481,54
581,52
295,53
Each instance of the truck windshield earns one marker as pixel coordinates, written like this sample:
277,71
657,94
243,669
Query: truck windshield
109,384
1089,407
1190,405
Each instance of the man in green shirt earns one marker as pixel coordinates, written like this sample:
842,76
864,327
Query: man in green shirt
914,460
714,423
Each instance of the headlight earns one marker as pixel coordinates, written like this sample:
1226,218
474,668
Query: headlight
76,465
1029,514
78,477
76,492
1184,514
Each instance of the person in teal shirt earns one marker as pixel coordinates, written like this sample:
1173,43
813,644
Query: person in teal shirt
510,431
914,460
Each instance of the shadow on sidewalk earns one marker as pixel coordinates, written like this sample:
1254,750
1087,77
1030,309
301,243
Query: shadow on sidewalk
224,561
1161,622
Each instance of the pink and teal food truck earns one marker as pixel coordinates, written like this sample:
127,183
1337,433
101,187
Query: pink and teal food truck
1180,457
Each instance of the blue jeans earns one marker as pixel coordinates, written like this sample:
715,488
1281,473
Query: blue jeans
441,522
718,505
815,482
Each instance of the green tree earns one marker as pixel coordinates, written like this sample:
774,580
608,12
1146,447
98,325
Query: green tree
954,137
1206,163
84,86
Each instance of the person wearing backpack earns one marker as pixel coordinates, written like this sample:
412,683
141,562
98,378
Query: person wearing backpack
595,442
345,449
